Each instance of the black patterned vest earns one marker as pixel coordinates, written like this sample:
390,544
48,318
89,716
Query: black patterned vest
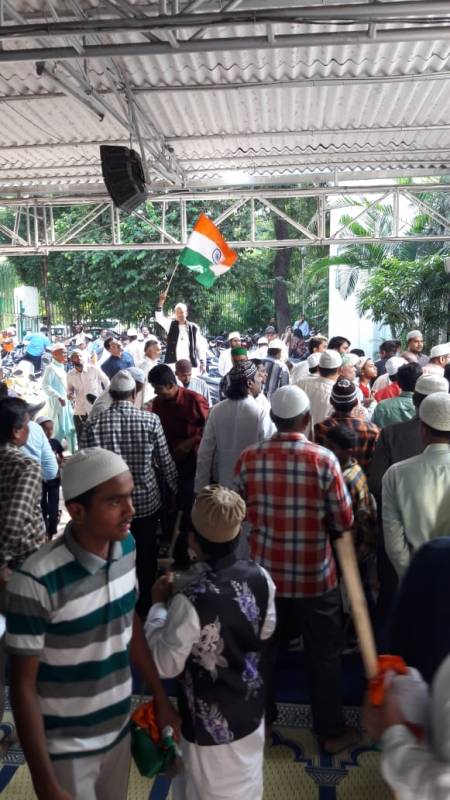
221,696
172,339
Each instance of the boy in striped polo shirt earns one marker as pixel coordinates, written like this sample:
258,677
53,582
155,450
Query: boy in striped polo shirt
71,631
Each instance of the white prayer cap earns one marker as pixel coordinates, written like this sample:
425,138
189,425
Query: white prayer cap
440,350
57,346
435,411
276,344
183,307
393,364
41,420
313,360
122,381
263,340
77,352
330,359
301,370
89,468
362,360
288,402
132,332
234,335
350,358
137,374
414,335
429,384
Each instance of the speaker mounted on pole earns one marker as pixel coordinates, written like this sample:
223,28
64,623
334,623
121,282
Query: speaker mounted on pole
123,175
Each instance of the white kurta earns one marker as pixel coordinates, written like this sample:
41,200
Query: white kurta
54,384
91,380
301,370
413,496
182,349
136,350
421,770
232,425
318,390
225,361
219,772
146,365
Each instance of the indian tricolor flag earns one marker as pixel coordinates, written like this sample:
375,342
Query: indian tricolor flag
207,253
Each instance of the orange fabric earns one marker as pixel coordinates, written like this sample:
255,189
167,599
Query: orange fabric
145,717
386,663
392,390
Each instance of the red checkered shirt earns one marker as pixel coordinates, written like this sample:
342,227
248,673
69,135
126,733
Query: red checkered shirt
366,435
296,497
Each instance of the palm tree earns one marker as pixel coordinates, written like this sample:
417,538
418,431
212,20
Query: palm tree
357,257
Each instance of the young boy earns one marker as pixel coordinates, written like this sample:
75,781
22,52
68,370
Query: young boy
211,636
71,632
50,489
341,440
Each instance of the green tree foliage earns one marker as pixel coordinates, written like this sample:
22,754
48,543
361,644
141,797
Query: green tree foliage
124,285
357,257
409,294
407,286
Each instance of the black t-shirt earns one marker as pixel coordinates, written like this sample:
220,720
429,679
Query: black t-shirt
56,446
58,449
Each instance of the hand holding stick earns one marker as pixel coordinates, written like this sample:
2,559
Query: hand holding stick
347,559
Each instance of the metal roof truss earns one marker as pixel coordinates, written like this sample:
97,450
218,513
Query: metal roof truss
33,228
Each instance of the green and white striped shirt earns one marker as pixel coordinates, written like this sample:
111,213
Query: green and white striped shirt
75,611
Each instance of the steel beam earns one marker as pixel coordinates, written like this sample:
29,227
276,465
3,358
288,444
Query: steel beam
103,9
360,12
40,235
298,83
238,135
389,36
355,190
260,244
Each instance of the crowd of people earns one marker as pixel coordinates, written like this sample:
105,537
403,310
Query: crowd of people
250,495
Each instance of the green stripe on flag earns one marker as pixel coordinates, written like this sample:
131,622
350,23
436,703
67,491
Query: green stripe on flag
197,263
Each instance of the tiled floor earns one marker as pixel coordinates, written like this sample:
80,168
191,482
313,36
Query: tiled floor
293,769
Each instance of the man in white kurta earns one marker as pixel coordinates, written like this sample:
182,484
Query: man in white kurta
414,491
84,381
225,360
135,346
184,331
217,654
232,425
54,384
318,387
152,351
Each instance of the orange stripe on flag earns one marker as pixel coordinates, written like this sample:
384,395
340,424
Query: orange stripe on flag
206,227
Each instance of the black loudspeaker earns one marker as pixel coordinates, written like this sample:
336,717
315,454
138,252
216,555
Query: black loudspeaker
123,176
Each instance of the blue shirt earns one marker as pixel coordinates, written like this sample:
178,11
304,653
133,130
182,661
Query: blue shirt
303,327
38,447
37,342
113,364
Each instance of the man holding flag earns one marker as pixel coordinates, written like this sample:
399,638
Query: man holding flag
184,340
208,256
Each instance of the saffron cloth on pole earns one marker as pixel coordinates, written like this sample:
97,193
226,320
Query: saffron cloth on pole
207,253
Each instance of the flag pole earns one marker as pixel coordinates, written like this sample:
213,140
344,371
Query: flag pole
171,278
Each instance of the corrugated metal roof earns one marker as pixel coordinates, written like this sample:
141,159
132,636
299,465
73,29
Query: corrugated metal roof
229,116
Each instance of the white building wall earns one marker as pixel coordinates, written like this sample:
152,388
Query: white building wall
29,297
343,316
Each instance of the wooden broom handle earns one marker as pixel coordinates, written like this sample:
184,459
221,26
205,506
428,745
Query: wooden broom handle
349,566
